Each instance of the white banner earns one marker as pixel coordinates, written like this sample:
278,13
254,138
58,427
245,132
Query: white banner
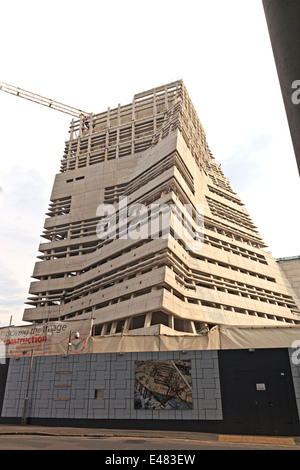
68,337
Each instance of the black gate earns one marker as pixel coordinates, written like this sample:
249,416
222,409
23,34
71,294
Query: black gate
3,376
258,394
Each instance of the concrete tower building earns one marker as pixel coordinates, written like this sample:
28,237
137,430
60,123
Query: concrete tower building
139,158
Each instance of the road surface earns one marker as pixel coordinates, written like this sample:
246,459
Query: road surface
110,444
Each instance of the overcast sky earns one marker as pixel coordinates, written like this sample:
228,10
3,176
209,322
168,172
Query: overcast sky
96,54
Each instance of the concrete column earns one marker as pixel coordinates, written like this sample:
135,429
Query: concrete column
107,133
133,126
70,142
283,19
118,131
89,139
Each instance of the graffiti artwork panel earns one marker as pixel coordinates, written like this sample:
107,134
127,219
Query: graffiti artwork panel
163,385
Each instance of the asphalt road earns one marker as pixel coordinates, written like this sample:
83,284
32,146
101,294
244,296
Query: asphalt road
110,444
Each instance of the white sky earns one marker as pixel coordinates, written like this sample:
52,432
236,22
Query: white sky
96,54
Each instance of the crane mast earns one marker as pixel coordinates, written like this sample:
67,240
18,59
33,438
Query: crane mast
48,102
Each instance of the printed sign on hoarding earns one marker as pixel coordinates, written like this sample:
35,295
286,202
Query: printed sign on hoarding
69,337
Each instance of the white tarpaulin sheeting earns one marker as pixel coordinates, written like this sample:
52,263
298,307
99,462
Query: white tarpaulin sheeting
219,337
59,338
258,337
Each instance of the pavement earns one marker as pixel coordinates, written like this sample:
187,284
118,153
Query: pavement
12,429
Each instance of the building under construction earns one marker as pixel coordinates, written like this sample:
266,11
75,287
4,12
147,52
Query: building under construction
152,152
155,302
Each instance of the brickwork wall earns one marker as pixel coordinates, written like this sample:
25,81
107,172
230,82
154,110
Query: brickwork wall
65,387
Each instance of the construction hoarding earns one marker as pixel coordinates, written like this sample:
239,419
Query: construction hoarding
59,338
68,337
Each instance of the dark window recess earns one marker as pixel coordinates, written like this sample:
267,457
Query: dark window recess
137,322
159,318
120,325
76,179
179,324
98,329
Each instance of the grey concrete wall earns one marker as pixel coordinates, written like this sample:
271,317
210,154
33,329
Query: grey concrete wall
64,387
283,18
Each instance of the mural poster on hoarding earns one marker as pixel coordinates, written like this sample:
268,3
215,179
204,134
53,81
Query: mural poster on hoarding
68,337
163,385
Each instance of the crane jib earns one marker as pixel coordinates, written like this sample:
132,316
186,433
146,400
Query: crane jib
34,97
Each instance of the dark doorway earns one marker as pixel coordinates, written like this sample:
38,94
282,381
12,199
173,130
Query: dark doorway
3,376
257,392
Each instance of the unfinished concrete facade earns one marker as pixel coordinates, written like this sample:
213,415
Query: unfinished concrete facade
291,270
152,151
